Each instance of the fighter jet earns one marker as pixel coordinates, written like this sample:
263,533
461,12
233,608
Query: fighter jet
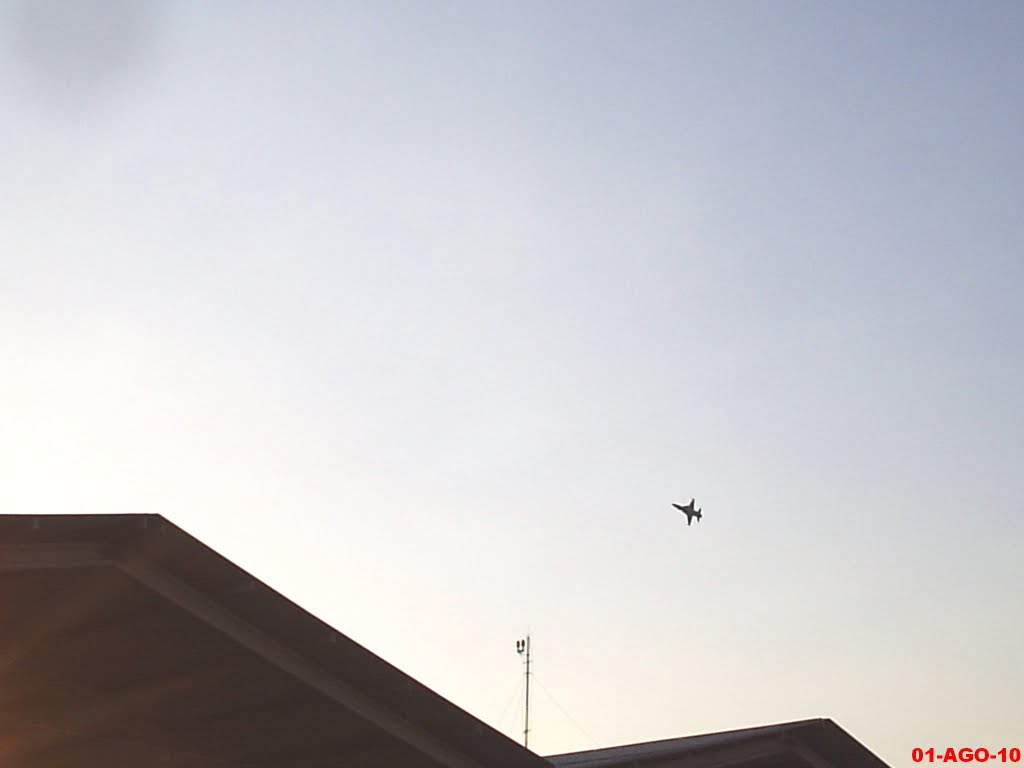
689,511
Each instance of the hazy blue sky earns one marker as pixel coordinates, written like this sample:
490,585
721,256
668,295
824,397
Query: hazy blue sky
425,312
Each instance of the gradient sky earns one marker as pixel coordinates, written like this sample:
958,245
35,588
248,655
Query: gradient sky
425,312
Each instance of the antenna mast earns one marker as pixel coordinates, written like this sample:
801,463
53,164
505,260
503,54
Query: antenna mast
523,648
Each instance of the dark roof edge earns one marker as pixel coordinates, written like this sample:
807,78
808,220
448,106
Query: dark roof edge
154,541
736,734
818,736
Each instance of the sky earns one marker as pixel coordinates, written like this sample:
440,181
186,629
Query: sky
425,313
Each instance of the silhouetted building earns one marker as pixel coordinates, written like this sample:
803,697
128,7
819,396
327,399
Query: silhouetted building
803,744
127,642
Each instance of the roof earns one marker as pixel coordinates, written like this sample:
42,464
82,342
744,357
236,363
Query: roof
818,743
127,641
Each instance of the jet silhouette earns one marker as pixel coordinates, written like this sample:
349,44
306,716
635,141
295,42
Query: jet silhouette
689,511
